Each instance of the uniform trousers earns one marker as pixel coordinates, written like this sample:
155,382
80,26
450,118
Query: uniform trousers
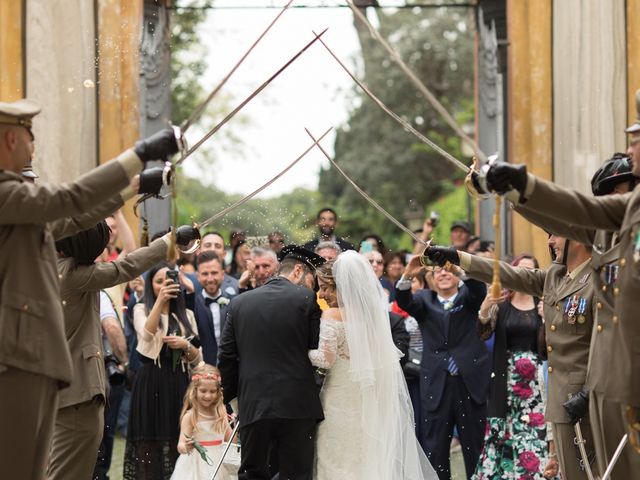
294,440
28,404
76,439
609,427
568,454
456,408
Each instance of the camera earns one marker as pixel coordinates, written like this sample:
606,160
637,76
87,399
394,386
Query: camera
173,276
435,218
111,364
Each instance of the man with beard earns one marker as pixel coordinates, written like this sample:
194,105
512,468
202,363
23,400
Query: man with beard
264,363
209,305
213,242
326,221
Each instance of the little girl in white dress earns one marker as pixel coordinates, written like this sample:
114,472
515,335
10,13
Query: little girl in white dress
203,420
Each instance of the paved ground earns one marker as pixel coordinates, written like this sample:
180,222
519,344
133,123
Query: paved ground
118,451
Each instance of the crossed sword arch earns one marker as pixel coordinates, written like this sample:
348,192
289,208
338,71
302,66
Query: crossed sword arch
433,101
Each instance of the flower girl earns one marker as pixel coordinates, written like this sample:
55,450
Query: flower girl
203,428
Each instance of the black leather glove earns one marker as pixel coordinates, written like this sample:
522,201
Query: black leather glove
185,234
152,179
159,146
441,255
503,177
577,406
475,180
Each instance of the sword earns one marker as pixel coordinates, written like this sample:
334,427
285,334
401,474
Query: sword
198,111
235,429
579,441
249,98
615,457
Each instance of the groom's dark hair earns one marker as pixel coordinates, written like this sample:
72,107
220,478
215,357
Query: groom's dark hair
287,265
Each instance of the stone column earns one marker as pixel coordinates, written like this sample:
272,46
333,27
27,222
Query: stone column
155,94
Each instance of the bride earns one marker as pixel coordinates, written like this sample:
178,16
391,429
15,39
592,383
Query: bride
368,431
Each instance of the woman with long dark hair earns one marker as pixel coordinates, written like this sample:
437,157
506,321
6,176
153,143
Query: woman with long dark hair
241,254
515,441
167,344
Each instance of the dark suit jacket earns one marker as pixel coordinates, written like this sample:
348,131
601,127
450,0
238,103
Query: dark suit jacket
400,335
263,353
206,331
342,243
451,333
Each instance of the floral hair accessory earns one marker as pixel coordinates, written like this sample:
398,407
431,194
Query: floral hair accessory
205,376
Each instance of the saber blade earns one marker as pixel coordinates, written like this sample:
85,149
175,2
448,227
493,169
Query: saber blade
198,111
249,98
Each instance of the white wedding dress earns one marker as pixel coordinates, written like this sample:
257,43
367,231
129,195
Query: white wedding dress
339,436
368,430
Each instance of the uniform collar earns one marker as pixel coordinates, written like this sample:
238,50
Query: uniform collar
578,270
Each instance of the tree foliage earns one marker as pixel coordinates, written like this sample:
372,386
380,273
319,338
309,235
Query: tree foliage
292,214
187,58
384,159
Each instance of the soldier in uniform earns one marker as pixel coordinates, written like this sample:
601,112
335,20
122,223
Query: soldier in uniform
566,289
34,355
615,363
79,422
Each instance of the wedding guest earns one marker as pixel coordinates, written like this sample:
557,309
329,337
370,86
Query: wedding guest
328,250
376,243
276,241
241,254
460,234
214,242
377,262
455,365
326,221
516,398
394,263
261,266
166,332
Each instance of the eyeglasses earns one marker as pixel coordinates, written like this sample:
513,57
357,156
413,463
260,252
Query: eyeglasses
376,262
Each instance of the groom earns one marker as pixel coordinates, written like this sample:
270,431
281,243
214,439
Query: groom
263,362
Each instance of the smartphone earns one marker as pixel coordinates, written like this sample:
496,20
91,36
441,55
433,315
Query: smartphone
173,276
366,247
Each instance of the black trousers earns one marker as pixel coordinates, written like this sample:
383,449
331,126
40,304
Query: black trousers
294,441
455,409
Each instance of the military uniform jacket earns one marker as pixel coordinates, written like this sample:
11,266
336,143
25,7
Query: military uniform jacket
32,336
615,360
79,290
568,337
604,262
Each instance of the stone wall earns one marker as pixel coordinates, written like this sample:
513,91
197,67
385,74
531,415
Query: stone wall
61,77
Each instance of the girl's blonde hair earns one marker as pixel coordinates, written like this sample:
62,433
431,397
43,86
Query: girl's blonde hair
205,372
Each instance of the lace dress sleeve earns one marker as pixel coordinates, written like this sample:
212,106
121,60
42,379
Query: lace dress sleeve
325,355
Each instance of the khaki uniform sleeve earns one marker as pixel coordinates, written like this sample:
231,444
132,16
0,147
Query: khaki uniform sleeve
24,203
108,274
524,280
555,226
575,208
65,227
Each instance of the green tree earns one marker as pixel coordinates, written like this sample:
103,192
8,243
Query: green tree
380,156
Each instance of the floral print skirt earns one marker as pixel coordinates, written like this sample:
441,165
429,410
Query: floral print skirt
515,447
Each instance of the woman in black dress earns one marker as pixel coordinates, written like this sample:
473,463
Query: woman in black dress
167,343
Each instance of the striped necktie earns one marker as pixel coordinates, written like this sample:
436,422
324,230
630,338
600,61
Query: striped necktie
452,367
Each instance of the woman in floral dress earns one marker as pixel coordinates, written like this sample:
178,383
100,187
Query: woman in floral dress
515,444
